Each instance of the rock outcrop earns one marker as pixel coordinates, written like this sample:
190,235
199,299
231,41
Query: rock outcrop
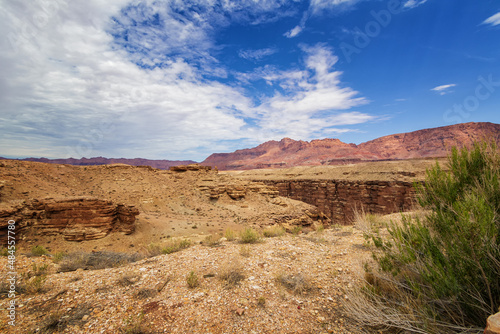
190,167
493,324
76,219
436,142
338,199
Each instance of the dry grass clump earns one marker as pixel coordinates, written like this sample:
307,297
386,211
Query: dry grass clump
96,260
128,279
245,250
146,293
296,230
57,322
212,240
34,285
249,236
135,326
232,272
229,234
273,231
176,245
295,283
368,222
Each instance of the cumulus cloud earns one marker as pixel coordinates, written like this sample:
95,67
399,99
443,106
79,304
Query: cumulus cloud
310,98
444,89
493,20
105,78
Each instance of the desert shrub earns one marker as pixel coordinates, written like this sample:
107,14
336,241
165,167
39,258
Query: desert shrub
96,260
245,250
296,283
38,251
145,293
176,245
274,231
192,280
249,236
35,285
320,228
135,326
296,230
40,270
58,257
212,240
229,234
128,279
232,272
57,322
153,249
448,262
4,251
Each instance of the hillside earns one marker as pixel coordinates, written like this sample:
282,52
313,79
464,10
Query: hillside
170,204
160,164
435,142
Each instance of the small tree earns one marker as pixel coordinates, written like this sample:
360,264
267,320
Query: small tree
449,261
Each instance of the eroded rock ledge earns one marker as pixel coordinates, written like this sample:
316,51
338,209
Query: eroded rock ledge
338,199
76,219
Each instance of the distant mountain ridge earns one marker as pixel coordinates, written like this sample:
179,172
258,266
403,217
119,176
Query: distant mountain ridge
427,143
160,164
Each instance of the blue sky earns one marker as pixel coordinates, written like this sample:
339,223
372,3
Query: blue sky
183,79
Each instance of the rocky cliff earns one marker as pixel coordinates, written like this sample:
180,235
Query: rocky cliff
76,219
435,142
339,199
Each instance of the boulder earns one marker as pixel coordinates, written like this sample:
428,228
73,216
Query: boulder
493,324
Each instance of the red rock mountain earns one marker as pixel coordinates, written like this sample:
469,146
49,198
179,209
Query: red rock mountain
426,143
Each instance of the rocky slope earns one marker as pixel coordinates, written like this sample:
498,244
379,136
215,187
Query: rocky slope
160,164
288,284
85,203
435,142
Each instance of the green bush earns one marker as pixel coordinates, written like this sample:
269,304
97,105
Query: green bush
192,280
449,261
39,251
249,236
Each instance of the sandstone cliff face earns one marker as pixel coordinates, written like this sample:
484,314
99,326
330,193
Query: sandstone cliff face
76,219
338,199
435,142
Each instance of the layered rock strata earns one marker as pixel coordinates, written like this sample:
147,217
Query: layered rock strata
338,199
76,219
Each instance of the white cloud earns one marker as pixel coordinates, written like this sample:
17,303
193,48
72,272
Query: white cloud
312,98
68,88
293,32
317,6
493,20
444,89
258,54
413,3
